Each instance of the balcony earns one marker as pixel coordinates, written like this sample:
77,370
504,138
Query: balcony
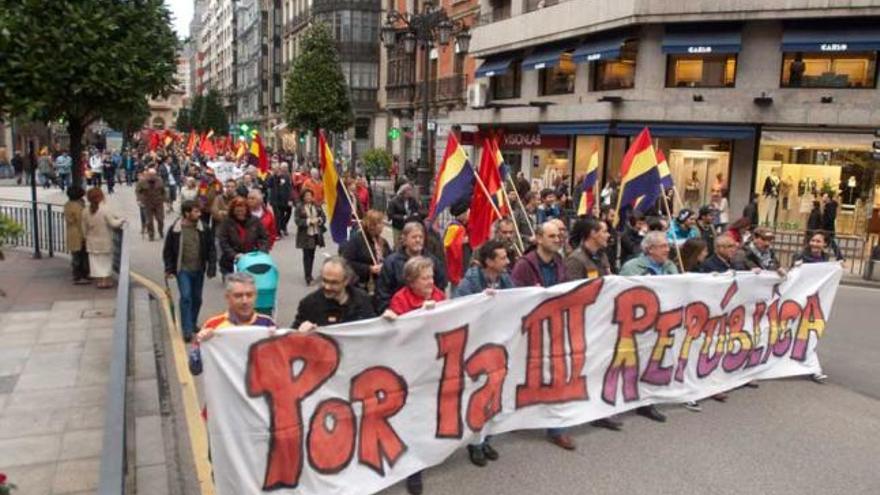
297,22
400,96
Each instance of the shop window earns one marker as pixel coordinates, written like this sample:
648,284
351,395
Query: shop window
826,70
616,74
701,71
584,149
558,80
506,86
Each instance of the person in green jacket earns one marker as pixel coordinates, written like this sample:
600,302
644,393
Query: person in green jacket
654,259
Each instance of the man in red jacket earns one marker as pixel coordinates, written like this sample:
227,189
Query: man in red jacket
261,211
544,267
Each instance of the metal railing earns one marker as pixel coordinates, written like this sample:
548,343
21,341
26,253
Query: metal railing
114,464
51,228
855,250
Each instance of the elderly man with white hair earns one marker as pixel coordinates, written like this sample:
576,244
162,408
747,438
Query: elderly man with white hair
654,260
263,213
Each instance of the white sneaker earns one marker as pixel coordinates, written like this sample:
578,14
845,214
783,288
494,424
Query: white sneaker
693,406
819,377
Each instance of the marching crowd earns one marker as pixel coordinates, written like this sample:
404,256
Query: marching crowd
371,277
539,244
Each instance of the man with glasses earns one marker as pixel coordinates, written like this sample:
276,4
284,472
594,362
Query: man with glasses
337,301
758,254
722,260
654,260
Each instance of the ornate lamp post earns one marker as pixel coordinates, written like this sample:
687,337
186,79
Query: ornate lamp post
426,29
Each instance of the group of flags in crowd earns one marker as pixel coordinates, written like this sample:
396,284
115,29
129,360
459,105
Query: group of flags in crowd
211,147
645,177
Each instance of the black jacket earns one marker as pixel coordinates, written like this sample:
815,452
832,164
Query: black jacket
630,244
829,217
321,311
358,256
232,243
714,264
171,250
707,233
402,210
280,189
391,277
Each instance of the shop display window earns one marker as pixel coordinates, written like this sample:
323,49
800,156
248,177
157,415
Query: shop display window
549,167
506,86
558,80
616,74
806,165
829,70
701,71
696,173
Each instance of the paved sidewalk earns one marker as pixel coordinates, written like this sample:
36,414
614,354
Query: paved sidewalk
54,362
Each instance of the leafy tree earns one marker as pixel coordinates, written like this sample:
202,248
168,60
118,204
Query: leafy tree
129,120
184,122
84,60
207,113
377,162
317,95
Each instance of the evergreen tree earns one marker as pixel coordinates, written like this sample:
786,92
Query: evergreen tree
317,95
207,114
83,60
183,123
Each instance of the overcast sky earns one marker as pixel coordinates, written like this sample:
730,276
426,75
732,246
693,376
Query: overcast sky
181,14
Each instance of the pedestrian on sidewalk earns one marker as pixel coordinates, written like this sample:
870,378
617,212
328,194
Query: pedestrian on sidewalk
150,192
310,221
76,242
189,256
109,172
17,166
96,168
98,224
64,167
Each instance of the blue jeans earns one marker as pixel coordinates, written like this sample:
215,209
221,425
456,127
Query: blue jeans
190,286
556,432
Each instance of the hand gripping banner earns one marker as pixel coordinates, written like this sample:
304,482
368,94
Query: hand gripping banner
357,407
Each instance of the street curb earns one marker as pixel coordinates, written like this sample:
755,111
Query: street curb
864,284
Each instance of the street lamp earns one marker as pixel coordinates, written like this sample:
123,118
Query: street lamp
426,29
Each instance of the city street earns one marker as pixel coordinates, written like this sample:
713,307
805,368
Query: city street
788,436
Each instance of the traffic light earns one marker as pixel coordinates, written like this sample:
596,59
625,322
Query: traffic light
302,139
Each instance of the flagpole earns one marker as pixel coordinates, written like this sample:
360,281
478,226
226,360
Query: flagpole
522,207
518,243
672,226
491,202
357,219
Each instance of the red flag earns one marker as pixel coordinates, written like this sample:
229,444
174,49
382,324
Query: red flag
227,146
154,140
207,146
482,213
191,144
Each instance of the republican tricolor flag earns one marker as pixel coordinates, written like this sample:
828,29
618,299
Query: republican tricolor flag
454,181
640,177
588,187
663,170
335,197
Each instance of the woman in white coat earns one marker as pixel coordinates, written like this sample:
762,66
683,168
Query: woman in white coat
98,224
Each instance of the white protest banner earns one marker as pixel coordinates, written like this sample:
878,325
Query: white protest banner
360,406
225,171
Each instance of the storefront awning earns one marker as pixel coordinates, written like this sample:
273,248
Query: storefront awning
702,43
689,131
576,129
496,65
606,49
545,57
831,40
